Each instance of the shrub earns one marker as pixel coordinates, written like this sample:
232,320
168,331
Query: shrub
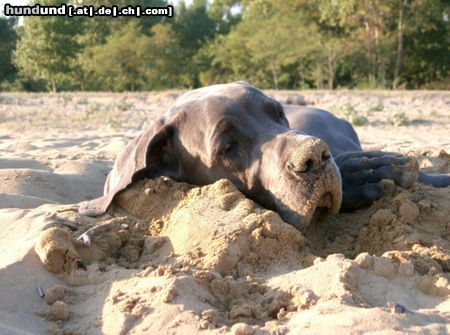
398,119
350,114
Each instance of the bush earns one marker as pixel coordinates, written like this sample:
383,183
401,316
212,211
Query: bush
398,119
349,113
373,108
92,109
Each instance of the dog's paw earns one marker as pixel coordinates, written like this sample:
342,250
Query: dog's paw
367,176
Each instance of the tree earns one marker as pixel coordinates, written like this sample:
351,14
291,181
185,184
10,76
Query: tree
8,39
269,39
226,14
98,28
47,48
116,65
403,5
192,28
426,52
163,63
271,43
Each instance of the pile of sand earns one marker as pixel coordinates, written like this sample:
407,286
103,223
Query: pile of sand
188,258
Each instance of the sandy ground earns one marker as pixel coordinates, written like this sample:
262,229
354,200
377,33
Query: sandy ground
179,259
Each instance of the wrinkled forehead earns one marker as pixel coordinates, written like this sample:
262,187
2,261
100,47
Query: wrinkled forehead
204,111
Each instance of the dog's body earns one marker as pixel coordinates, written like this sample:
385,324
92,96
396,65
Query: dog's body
290,159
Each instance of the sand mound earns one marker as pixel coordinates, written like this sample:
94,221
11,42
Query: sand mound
180,222
213,227
29,185
414,223
189,258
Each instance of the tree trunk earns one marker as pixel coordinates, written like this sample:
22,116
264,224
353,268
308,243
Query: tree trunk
302,77
331,69
274,75
370,52
401,27
383,73
53,82
318,77
377,55
333,56
378,37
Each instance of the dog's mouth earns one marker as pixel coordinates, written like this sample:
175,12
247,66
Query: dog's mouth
328,202
325,206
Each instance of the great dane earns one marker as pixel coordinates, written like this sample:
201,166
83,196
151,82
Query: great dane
291,159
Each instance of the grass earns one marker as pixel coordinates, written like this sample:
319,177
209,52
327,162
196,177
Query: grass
82,101
377,107
349,113
7,100
65,99
398,119
123,105
92,109
434,113
113,123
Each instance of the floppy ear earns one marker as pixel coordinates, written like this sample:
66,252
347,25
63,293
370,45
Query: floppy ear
149,155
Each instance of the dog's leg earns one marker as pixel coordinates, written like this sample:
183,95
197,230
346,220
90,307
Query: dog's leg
435,180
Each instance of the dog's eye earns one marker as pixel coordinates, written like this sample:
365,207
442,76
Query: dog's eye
229,148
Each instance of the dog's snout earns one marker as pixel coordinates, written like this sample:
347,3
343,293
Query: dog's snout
309,156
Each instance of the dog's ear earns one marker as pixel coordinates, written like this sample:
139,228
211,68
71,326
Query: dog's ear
161,157
151,154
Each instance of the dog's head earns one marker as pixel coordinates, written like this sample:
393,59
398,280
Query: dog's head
236,132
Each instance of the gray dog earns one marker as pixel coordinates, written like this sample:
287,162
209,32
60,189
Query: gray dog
291,159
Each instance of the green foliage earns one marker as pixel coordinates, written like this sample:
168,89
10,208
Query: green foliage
5,100
427,56
82,101
373,108
114,65
398,119
164,64
92,109
66,98
47,48
349,113
225,14
8,38
191,27
270,43
123,105
270,38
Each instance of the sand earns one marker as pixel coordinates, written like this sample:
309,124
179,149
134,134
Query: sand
174,258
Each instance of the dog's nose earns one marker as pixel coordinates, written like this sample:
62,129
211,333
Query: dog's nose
310,155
